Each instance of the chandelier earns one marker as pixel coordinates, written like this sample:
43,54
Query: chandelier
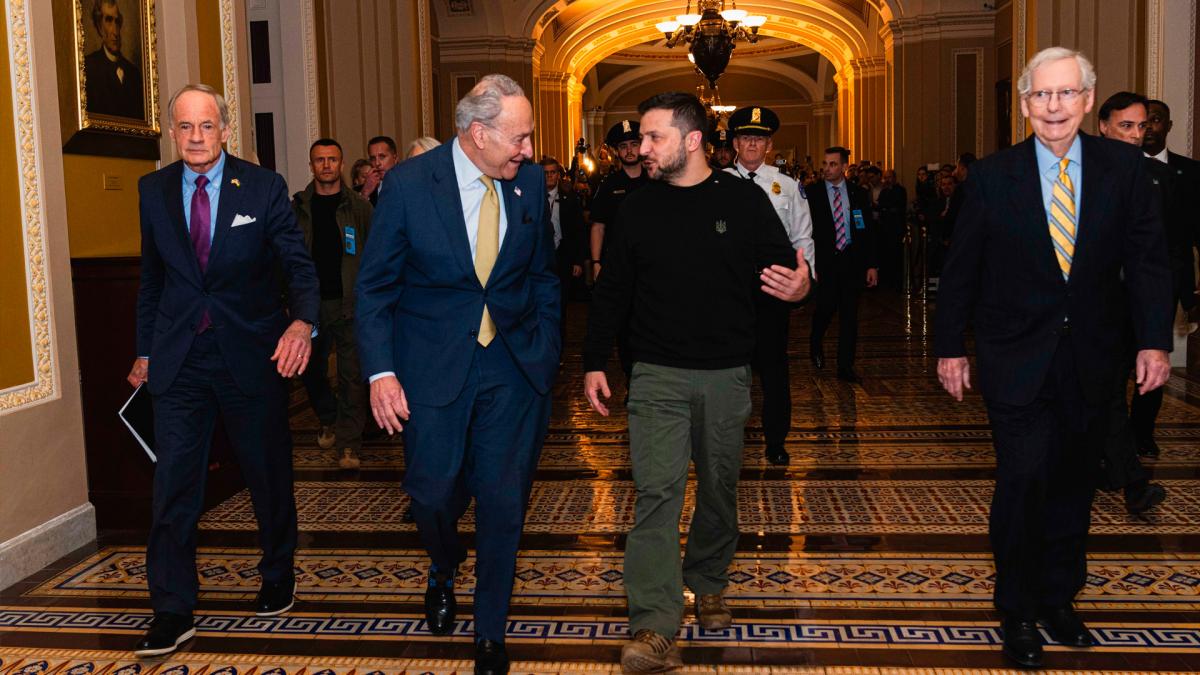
711,34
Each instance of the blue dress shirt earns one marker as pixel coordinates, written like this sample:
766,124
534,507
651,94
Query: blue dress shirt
1048,171
213,189
847,215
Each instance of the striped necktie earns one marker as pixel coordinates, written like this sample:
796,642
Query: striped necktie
1063,219
839,220
487,247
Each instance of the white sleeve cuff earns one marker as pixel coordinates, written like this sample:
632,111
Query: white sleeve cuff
376,376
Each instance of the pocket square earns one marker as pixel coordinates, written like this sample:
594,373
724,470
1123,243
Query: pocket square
240,220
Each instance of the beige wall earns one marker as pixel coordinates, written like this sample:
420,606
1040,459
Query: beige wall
368,72
42,472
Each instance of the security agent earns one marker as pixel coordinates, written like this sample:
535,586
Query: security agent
721,141
751,129
625,139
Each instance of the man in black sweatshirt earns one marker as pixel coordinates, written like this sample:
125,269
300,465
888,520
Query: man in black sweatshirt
695,248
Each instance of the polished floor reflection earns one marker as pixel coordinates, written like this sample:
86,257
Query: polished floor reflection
868,553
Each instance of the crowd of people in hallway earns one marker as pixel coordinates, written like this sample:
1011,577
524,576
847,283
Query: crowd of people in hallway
439,282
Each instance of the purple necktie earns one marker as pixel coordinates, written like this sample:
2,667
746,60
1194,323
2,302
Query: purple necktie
839,219
200,228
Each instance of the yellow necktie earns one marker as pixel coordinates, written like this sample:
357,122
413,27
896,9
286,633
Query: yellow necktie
487,247
1063,219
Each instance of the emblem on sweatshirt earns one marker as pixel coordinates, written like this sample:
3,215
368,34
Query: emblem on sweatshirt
775,188
720,225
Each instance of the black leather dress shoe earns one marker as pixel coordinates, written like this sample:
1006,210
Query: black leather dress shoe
1142,497
1065,627
849,376
1022,642
275,599
1146,447
166,633
817,359
490,658
440,606
777,454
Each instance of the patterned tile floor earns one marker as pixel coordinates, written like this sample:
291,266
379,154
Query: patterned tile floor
779,506
867,555
1157,581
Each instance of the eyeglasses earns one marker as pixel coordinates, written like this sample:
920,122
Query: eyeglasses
1041,98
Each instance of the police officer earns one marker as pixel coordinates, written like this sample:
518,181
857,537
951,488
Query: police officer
625,140
752,129
722,154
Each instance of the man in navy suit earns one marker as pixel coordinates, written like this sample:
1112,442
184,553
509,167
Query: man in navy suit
1047,229
458,311
212,335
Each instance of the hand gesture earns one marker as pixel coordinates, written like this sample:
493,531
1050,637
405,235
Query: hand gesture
786,284
294,348
595,383
955,376
389,404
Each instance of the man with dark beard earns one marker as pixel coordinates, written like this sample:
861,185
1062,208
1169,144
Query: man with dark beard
723,153
696,248
625,140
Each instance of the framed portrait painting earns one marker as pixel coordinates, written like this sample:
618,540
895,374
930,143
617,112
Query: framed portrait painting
114,79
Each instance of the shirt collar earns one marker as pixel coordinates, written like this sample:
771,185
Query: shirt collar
1047,161
761,170
1162,156
553,194
464,169
214,174
839,186
110,56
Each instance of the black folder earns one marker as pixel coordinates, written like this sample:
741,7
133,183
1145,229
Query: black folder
138,416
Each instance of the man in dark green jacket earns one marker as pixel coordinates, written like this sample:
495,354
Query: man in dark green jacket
335,222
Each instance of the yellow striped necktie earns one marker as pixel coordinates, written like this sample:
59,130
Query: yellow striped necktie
1063,218
487,247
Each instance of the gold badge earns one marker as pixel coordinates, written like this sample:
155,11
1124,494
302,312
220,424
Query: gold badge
756,116
235,182
625,127
776,188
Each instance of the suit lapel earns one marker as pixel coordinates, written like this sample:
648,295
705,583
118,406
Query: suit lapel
230,201
448,203
172,189
1027,199
513,213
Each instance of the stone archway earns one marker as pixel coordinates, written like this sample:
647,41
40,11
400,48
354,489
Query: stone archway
570,39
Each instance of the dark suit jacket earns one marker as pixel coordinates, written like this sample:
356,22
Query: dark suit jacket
1177,191
419,301
1002,275
352,211
106,93
240,287
572,250
850,265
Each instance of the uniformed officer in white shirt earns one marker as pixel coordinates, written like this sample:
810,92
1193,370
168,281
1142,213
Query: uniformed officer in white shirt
752,128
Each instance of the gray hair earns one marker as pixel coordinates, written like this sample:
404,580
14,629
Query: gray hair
222,106
1087,72
482,104
425,143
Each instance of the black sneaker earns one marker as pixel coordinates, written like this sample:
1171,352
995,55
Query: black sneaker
275,599
1143,497
167,632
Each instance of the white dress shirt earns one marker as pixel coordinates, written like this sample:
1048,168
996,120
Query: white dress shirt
1162,156
471,191
790,205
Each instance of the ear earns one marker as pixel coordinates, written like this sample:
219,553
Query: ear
225,131
695,139
1025,107
478,131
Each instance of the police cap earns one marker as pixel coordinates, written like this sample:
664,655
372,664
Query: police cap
625,130
720,138
753,121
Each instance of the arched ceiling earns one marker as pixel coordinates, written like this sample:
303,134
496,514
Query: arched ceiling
783,81
575,36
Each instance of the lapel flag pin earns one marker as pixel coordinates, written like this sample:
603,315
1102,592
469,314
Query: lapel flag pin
235,182
517,191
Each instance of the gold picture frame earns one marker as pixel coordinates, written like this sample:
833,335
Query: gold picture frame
109,86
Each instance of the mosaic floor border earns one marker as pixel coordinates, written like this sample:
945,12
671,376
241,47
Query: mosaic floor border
1158,582
780,506
33,661
835,633
804,456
